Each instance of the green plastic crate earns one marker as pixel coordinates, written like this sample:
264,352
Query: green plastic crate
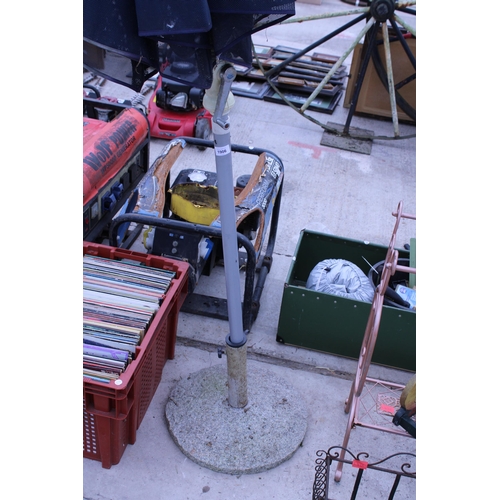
336,325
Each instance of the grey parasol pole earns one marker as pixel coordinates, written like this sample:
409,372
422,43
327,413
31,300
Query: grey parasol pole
195,409
219,100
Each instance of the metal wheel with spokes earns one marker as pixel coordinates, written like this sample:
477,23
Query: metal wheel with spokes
377,17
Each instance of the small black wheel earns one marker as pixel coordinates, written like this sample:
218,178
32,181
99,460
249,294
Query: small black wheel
202,131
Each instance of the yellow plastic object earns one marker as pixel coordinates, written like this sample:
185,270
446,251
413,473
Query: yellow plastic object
195,203
408,397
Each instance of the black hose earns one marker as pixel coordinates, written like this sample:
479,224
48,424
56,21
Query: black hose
391,297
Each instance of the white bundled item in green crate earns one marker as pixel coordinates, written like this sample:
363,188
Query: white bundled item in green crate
341,277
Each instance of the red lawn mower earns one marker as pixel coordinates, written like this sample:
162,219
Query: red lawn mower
176,110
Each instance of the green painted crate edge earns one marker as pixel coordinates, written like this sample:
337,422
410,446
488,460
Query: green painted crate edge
336,325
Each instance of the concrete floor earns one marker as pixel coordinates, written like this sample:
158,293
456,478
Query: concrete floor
337,192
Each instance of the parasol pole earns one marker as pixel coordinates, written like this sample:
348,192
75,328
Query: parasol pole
218,100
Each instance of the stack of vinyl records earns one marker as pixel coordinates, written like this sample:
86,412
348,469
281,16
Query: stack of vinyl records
120,299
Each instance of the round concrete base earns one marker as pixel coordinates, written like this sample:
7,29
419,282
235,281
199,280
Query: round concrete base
247,440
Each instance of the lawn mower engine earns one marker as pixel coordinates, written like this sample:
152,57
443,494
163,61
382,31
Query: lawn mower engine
176,110
115,158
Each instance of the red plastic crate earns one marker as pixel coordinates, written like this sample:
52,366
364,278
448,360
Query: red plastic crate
112,412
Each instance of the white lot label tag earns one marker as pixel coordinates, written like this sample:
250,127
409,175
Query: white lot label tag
221,151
